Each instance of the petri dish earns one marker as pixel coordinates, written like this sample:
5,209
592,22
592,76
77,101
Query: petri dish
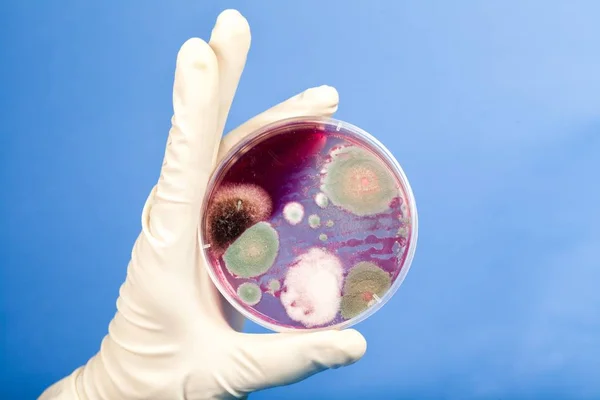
308,224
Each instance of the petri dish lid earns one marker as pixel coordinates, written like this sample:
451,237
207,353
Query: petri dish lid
308,223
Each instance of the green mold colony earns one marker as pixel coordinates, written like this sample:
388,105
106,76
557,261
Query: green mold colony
365,283
274,286
358,182
314,221
254,252
402,232
323,237
250,293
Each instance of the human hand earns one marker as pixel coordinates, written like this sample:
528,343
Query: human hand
174,336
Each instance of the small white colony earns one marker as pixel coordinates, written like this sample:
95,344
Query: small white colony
293,212
321,200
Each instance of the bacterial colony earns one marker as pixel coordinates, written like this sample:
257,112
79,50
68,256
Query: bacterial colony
307,228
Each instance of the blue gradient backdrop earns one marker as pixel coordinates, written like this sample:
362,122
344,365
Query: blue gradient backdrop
492,108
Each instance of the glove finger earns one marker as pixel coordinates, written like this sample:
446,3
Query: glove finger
318,101
230,40
281,359
191,148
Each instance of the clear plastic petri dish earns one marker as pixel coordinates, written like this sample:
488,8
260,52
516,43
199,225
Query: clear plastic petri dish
308,224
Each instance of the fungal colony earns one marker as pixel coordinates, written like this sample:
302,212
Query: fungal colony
310,238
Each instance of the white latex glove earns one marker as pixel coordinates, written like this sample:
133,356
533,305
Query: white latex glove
174,336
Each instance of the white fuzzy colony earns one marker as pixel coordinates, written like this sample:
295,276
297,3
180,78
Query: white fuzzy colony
293,213
312,288
321,200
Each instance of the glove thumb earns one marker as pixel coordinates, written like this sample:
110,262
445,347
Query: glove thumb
282,359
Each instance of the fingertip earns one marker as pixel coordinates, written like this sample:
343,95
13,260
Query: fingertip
324,95
231,23
340,348
229,13
197,53
354,343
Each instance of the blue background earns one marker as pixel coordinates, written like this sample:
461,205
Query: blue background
492,108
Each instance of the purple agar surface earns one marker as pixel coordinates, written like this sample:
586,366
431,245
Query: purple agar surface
307,226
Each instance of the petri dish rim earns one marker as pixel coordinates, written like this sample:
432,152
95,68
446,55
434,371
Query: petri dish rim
273,129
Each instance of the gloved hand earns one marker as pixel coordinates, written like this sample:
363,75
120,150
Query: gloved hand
174,336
